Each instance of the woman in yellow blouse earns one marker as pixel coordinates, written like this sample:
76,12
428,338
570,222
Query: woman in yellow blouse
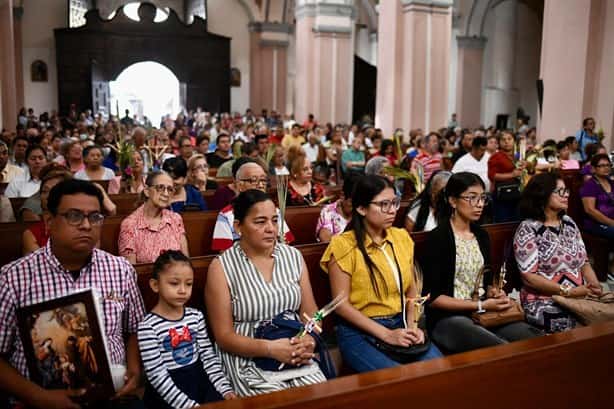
370,263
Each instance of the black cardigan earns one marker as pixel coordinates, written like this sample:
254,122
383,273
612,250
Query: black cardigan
438,264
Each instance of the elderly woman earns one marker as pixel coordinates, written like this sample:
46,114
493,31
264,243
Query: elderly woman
93,157
72,156
598,198
301,189
198,173
421,212
550,254
251,283
136,183
152,228
186,196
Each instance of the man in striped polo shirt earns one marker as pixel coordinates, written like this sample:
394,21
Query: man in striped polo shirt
429,158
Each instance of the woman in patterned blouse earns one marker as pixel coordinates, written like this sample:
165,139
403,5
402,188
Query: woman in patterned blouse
550,254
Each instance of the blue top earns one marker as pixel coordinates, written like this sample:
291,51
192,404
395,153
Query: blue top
584,139
193,198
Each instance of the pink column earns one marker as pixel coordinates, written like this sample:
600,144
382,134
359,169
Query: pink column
469,80
576,67
7,68
413,64
17,16
324,61
268,66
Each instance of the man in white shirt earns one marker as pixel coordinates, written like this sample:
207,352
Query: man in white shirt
312,147
475,161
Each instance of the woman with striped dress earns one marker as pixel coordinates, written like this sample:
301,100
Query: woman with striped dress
248,285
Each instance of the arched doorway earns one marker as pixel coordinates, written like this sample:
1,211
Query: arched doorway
147,89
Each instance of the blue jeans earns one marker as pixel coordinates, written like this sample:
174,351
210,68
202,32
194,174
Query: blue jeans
363,356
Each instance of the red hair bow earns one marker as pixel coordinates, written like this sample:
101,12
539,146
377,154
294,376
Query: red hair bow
176,338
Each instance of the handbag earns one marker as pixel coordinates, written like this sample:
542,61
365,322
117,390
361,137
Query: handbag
491,319
401,354
591,309
286,325
507,191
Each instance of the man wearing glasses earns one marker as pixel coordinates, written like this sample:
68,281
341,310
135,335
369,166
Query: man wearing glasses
70,262
249,175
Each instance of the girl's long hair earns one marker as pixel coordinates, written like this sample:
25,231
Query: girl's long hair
365,190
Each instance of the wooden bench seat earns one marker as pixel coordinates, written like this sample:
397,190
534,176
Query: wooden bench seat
565,370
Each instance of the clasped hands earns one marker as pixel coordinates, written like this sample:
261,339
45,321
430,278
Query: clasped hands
293,351
404,337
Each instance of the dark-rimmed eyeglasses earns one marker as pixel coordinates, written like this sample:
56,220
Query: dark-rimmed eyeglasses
475,200
388,205
76,217
164,188
255,181
562,191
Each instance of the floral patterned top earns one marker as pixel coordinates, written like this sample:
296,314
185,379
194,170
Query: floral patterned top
556,254
294,198
469,262
331,219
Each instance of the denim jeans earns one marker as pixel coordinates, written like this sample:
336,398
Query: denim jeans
602,230
362,355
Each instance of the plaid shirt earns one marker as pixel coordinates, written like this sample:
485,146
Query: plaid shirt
40,277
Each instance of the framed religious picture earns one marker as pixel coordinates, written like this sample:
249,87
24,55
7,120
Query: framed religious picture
235,77
38,71
65,345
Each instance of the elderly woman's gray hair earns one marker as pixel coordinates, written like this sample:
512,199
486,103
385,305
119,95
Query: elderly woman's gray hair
375,166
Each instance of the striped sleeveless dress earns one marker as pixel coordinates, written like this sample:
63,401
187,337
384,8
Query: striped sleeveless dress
255,300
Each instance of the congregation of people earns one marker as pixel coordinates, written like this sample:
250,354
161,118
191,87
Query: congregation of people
70,169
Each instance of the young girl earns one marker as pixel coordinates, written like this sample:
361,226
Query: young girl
181,365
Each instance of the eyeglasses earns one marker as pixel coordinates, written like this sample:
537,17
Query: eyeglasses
562,191
388,205
255,181
76,217
603,165
164,188
475,200
186,146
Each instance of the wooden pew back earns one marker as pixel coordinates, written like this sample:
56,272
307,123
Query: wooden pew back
568,367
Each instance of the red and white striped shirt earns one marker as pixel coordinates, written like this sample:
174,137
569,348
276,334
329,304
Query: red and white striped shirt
430,163
40,277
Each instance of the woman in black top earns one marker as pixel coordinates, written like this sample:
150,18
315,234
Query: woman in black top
456,252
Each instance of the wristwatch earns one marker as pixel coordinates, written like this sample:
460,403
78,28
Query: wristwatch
564,290
480,310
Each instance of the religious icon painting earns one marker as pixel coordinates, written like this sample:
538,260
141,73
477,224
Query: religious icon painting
65,345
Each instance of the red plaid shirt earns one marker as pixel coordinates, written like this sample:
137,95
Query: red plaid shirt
39,277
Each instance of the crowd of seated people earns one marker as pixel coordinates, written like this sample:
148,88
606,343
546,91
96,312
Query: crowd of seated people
469,176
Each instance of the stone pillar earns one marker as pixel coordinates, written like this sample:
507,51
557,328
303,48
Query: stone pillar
413,64
501,95
576,67
469,80
373,45
7,68
268,66
19,84
325,60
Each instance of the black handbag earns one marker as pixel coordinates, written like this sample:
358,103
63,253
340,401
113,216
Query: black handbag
507,192
399,353
286,325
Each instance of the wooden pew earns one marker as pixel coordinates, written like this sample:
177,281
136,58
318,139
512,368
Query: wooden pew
567,368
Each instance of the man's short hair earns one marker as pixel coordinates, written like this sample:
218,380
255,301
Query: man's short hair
220,136
259,137
71,187
240,162
479,141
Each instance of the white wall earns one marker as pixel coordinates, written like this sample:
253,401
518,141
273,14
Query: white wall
229,19
40,17
363,47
